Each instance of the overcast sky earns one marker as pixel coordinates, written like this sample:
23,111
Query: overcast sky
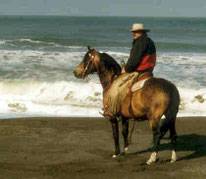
191,8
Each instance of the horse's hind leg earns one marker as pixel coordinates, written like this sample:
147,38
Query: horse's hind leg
159,129
125,129
173,137
115,130
156,140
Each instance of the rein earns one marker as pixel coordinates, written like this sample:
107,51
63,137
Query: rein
86,68
92,60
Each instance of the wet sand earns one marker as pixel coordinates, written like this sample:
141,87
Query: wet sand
82,148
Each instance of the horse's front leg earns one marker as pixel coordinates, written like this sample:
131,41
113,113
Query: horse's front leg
125,131
115,130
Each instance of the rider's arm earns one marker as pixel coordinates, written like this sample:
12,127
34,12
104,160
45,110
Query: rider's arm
135,56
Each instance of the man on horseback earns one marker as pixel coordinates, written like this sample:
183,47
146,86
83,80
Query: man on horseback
132,96
143,53
141,61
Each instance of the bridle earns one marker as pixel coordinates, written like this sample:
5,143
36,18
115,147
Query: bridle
91,58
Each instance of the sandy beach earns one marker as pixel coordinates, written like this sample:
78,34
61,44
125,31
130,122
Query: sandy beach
82,148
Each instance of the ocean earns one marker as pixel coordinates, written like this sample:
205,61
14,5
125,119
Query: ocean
39,53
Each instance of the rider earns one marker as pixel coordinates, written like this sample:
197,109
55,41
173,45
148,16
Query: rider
142,56
143,53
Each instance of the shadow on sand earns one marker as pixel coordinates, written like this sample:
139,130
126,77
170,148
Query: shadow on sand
186,143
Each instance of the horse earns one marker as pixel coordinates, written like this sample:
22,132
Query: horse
156,98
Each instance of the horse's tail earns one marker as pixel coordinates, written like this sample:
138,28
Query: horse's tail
172,109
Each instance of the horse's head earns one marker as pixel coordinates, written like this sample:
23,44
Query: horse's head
88,64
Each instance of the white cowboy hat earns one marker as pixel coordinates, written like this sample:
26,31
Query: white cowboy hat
138,28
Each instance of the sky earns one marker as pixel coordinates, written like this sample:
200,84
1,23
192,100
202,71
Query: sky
162,8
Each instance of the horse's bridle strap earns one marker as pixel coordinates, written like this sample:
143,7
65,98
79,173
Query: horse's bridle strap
86,68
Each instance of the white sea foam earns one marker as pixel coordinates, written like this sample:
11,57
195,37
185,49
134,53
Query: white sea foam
75,99
2,42
29,40
62,98
27,44
42,82
39,42
193,102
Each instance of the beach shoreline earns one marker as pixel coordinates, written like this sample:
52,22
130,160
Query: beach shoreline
44,147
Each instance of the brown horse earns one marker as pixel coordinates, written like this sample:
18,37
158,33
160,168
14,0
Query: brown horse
156,98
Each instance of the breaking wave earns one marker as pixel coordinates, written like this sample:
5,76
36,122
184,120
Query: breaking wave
41,82
75,98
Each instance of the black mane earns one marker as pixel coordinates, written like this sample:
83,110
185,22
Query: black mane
110,63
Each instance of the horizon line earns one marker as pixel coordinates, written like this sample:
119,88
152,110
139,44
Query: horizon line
103,16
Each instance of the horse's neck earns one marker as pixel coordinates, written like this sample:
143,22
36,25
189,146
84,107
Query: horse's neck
106,78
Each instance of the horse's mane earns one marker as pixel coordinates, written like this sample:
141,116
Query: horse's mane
110,63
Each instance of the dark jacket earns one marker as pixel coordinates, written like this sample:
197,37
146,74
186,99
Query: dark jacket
142,55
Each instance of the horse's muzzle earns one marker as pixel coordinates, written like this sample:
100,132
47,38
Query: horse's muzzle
78,75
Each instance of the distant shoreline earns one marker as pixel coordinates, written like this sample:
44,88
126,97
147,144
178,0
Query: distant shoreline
50,116
174,17
82,118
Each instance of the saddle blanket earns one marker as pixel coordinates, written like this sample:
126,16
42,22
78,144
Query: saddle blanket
138,85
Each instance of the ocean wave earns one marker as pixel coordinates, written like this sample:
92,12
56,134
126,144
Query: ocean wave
37,65
183,58
47,44
63,98
36,81
192,101
58,66
58,93
59,44
31,42
75,98
2,42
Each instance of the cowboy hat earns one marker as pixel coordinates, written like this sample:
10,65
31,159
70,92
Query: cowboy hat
138,28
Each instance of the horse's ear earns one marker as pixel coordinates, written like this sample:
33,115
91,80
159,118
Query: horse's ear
89,48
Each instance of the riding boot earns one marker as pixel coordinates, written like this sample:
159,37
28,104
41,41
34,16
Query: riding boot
108,114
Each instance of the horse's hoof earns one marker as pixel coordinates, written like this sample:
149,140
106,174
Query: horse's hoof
174,157
172,161
149,162
126,149
115,156
152,159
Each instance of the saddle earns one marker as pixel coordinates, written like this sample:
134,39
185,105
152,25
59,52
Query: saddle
141,81
123,86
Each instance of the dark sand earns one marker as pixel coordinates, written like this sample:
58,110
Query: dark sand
82,148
